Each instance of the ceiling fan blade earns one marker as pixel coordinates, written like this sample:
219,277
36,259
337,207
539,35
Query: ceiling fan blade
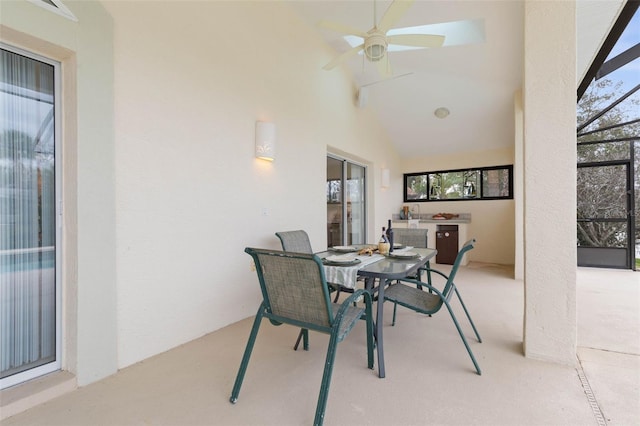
416,40
393,14
384,67
344,29
342,57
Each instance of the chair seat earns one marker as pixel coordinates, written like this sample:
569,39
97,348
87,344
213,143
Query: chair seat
409,294
422,301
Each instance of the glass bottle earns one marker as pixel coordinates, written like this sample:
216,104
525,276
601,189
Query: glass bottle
390,237
383,244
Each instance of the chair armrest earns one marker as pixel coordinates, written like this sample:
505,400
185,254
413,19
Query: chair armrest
356,294
421,284
354,298
442,274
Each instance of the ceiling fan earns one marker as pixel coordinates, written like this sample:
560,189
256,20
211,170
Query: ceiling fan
376,41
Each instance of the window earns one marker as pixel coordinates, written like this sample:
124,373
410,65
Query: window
486,183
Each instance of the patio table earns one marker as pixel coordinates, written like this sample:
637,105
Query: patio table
380,269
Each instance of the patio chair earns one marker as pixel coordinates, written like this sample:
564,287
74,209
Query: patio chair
295,292
406,292
298,242
415,237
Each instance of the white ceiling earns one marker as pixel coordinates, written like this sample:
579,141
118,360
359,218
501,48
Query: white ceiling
476,82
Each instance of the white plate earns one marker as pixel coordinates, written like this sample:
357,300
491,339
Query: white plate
404,254
345,249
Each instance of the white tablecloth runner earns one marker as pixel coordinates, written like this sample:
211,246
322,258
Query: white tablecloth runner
346,275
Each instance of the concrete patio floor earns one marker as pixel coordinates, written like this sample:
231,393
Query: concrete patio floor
430,378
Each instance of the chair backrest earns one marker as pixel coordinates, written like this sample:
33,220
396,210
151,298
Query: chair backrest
294,287
456,264
416,237
296,241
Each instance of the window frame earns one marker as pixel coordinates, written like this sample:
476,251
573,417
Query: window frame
479,197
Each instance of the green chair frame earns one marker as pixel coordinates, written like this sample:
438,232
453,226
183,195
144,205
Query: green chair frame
298,241
295,292
408,293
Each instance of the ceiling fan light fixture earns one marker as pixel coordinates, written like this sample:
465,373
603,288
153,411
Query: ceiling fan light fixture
375,46
441,112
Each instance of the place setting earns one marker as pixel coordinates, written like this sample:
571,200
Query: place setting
351,255
349,259
402,252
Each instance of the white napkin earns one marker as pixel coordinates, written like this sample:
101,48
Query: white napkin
341,257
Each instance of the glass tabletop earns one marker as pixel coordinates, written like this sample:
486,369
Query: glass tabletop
390,268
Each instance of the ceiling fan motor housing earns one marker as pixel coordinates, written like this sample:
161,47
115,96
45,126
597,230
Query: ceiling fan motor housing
375,46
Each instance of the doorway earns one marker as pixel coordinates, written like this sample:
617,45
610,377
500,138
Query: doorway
30,296
346,202
605,204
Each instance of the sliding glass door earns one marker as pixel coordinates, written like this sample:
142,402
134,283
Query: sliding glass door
29,290
346,202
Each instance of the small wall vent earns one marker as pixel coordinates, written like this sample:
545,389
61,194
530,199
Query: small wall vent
55,6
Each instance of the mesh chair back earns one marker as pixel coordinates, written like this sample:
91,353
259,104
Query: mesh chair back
465,248
293,286
416,237
296,241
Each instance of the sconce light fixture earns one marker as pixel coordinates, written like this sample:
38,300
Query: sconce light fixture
265,140
385,178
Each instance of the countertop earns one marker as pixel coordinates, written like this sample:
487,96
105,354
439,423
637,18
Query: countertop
441,221
428,218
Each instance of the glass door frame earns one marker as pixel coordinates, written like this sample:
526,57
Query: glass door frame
56,364
608,257
343,198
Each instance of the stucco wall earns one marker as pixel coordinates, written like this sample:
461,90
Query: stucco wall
190,193
550,181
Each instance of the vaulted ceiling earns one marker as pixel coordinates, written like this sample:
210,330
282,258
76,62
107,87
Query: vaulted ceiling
474,74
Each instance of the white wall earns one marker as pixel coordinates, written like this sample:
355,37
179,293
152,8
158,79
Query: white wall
518,186
191,79
492,221
550,181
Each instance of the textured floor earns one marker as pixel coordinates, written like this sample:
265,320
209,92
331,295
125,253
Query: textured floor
430,378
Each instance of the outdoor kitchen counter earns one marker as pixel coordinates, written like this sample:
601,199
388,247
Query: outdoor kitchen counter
428,218
443,221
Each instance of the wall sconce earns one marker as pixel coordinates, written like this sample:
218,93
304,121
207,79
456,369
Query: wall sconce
265,140
385,178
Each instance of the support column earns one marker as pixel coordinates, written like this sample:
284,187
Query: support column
549,99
